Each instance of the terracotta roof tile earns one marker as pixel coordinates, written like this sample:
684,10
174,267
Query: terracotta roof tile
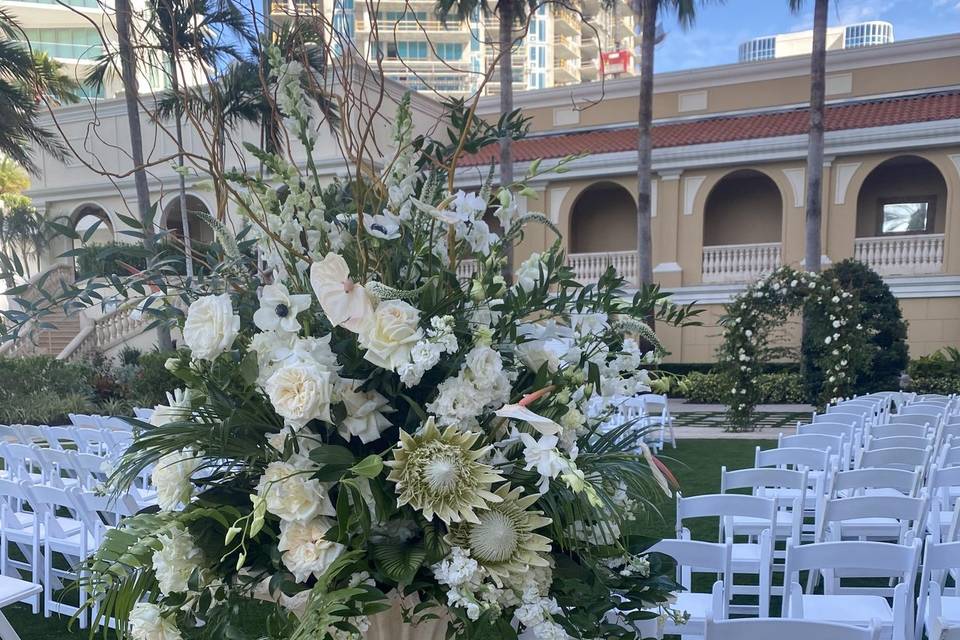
854,115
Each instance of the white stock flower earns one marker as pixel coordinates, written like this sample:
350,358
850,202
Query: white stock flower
365,411
292,495
211,326
171,478
305,552
279,309
175,561
344,302
177,409
301,392
391,334
384,226
528,275
148,623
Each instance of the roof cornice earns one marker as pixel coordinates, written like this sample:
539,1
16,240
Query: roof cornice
932,48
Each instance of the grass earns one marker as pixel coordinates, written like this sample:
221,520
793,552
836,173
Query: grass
695,463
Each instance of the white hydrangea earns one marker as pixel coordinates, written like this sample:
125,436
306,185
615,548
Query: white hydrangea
304,551
482,383
176,560
171,478
291,494
148,623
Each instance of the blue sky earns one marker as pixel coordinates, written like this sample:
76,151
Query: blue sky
720,28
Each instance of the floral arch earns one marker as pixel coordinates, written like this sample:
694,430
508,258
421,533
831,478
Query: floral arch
768,303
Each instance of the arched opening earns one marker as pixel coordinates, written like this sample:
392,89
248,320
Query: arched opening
904,195
901,216
745,207
93,224
200,231
603,219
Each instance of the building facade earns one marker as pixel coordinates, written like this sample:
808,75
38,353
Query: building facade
798,43
410,44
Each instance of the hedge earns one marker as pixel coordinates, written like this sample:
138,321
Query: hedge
775,388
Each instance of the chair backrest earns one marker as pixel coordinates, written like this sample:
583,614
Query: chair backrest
58,466
843,416
894,458
792,457
903,429
142,413
848,431
786,629
917,419
13,498
933,412
894,442
760,480
859,481
911,512
84,420
21,460
818,441
115,423
51,502
940,482
949,454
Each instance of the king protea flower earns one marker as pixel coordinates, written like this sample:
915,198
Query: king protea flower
439,474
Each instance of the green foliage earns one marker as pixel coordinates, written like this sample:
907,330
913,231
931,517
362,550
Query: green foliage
881,320
151,382
772,388
42,374
123,258
938,372
44,408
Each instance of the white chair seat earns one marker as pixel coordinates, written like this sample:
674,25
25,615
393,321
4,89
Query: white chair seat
869,527
950,610
745,553
13,590
753,526
847,609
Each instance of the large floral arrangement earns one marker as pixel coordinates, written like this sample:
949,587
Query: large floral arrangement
362,430
749,329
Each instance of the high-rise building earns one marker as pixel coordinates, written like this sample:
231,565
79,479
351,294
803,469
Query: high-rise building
73,32
861,34
407,40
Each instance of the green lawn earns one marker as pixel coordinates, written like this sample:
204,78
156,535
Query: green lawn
696,464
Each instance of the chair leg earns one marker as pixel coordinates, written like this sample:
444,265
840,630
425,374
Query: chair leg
7,631
47,581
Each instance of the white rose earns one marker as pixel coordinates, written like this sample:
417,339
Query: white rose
301,392
177,409
211,326
175,561
291,494
391,334
485,365
147,623
536,353
365,411
171,478
304,549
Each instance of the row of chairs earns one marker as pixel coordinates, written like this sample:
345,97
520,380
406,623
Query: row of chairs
647,412
95,441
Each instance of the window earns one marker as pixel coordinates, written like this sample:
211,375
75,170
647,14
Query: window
867,34
74,44
758,49
907,215
412,50
449,50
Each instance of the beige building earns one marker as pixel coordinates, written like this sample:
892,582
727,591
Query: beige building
800,43
729,158
407,40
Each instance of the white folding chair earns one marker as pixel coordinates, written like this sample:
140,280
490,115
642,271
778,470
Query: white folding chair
699,557
897,430
944,486
872,518
898,442
874,482
84,421
853,605
751,557
22,462
21,528
838,444
657,412
142,413
784,629
915,419
939,614
894,458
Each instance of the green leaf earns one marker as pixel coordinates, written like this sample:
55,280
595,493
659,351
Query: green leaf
397,561
332,454
369,467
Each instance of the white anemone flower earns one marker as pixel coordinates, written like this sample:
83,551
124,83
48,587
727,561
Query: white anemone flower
346,303
279,309
384,226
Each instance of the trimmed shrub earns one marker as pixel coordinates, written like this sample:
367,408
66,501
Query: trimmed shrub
43,374
881,319
938,372
774,388
150,384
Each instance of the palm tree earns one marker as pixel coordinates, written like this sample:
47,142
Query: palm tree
650,12
818,65
510,14
24,78
191,33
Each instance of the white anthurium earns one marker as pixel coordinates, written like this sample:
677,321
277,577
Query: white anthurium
546,426
345,303
385,226
543,456
279,309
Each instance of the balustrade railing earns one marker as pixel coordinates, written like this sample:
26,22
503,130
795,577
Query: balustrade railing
588,267
901,255
107,331
739,262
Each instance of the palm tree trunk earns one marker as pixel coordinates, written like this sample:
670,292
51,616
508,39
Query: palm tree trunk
815,144
181,179
644,143
506,106
128,72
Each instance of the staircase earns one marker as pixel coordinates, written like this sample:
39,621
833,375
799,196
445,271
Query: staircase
46,340
51,342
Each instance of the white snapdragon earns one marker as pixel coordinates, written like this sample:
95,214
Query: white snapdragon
211,326
292,495
304,550
147,622
171,478
175,561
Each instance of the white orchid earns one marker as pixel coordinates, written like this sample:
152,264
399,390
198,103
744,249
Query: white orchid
544,456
